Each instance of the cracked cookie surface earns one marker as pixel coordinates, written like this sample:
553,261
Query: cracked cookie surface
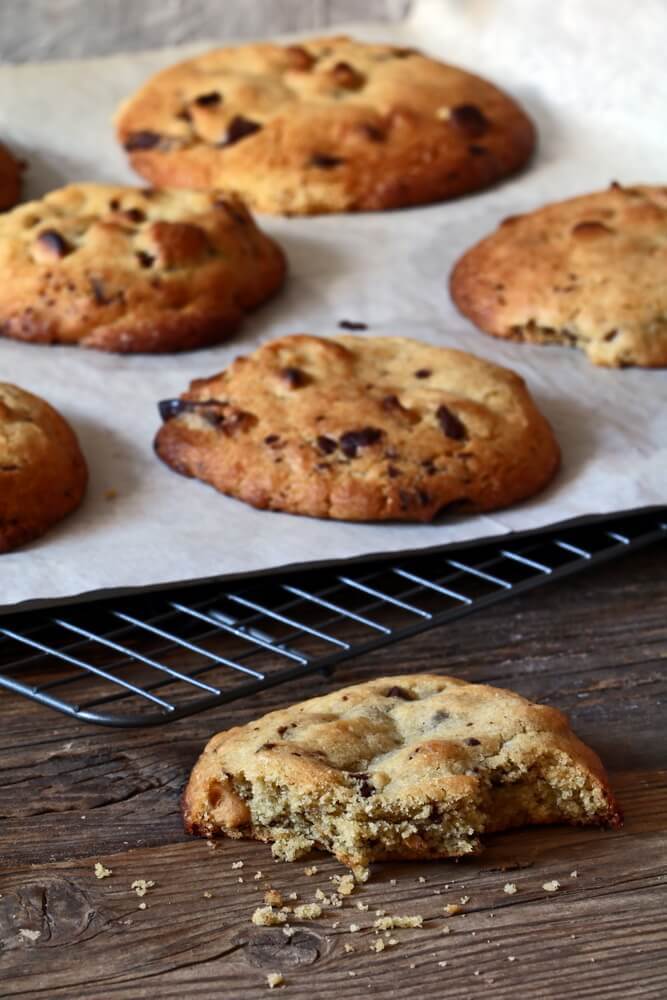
354,428
415,766
42,471
128,269
588,272
326,125
10,179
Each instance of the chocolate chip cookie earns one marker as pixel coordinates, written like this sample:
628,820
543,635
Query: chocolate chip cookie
42,471
124,269
417,766
588,272
10,179
328,125
361,430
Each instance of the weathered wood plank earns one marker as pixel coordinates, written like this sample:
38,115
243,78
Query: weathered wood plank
99,944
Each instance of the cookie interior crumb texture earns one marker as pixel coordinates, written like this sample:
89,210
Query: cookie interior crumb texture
327,125
132,270
361,429
43,473
588,272
416,766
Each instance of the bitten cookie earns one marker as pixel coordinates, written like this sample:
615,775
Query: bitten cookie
10,179
42,471
328,125
361,429
124,269
587,272
401,767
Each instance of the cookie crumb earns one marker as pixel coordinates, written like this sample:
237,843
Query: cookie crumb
308,911
258,875
310,870
362,906
446,930
574,874
511,958
101,871
452,909
392,881
142,885
346,884
273,898
275,979
464,900
142,906
442,964
421,879
510,888
354,928
265,916
552,886
377,945
237,864
208,895
348,948
391,923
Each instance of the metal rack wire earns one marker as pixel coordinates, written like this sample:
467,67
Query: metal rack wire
149,659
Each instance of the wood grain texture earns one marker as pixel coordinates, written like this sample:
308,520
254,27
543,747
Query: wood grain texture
32,30
595,646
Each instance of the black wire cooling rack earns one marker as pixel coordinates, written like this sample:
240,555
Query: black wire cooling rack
152,658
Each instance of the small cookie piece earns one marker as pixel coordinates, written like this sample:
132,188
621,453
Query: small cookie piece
43,474
10,179
417,766
361,429
588,272
125,269
328,125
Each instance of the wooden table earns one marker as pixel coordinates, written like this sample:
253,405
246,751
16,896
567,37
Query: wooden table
72,795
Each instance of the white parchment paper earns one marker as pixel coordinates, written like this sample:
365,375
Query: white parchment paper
592,75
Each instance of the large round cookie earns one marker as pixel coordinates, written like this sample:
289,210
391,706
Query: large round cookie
361,429
42,471
124,269
416,766
328,125
10,179
587,272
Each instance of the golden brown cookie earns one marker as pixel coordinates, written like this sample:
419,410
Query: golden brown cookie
42,471
328,125
361,429
588,272
10,179
125,269
417,766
